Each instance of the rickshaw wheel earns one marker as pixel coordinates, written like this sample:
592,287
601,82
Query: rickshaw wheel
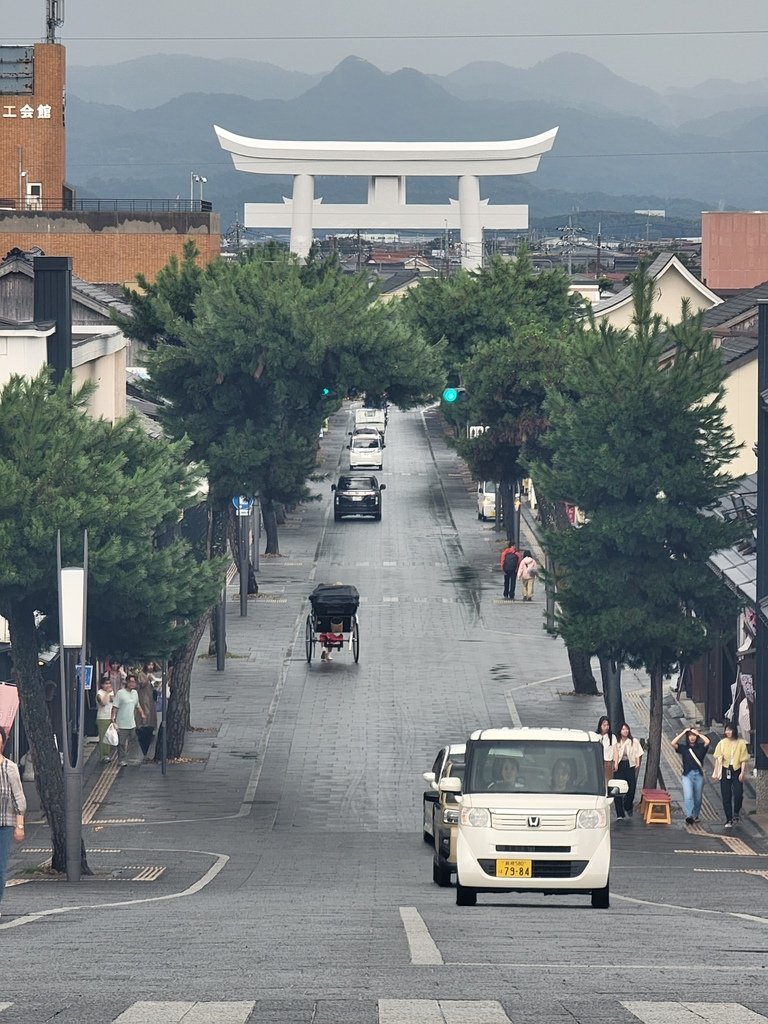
310,638
356,640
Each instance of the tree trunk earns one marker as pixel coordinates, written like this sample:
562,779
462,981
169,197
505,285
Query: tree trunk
217,546
235,545
49,775
610,672
584,681
178,721
506,509
653,752
270,527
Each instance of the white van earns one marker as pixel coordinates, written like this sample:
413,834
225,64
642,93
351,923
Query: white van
366,451
371,418
486,499
534,815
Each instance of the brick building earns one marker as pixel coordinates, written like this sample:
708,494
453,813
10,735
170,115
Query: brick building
108,243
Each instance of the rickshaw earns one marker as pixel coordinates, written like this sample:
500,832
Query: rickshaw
332,622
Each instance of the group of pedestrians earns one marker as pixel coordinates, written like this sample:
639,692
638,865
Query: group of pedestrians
622,755
731,759
127,699
518,566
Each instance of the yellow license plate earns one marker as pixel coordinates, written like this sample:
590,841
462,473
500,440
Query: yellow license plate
514,869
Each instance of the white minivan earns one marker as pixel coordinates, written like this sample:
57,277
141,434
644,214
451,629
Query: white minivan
366,451
534,815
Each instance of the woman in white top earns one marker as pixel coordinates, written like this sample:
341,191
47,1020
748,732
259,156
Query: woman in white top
104,698
608,741
627,755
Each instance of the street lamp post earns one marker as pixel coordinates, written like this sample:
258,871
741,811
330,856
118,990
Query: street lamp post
73,604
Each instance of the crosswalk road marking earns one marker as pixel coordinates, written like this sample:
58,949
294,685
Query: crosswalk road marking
4,1006
441,1011
693,1013
188,1013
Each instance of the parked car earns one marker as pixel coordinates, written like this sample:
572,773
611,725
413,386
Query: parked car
366,451
431,798
446,821
534,814
356,495
486,500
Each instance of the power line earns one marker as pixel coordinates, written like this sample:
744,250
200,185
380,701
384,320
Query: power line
547,157
415,36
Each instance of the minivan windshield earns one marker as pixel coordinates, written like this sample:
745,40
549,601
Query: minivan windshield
534,766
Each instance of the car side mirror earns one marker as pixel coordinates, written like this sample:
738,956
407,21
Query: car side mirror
349,446
349,433
428,776
382,487
453,785
333,487
618,786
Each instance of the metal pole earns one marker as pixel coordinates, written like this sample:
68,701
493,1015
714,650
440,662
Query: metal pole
164,721
221,631
518,501
242,524
761,681
256,532
73,725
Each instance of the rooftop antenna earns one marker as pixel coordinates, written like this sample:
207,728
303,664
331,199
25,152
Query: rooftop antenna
54,18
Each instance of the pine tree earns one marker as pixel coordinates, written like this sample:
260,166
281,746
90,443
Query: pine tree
639,444
62,470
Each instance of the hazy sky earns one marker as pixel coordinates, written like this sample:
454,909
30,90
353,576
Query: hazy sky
107,31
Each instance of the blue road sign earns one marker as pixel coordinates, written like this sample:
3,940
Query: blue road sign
242,503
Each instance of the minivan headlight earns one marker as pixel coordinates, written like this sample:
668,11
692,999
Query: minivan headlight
478,817
591,819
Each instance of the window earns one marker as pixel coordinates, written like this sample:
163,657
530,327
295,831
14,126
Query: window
535,766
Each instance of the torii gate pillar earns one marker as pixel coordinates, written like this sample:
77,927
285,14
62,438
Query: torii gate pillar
301,214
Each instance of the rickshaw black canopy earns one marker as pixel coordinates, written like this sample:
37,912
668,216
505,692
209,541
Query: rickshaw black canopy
335,601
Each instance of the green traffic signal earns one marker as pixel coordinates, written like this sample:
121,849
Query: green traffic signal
450,394
326,392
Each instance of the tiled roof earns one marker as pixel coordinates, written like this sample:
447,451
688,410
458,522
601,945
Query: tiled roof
398,280
737,304
22,262
626,293
737,566
734,346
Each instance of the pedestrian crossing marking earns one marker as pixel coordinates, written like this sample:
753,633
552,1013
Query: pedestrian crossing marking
421,944
441,1011
186,1013
693,1013
5,1006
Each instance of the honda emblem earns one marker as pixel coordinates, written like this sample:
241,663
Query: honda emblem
534,821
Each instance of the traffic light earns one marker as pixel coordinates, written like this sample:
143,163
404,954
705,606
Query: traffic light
451,395
325,392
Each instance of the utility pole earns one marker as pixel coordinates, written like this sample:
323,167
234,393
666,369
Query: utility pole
761,638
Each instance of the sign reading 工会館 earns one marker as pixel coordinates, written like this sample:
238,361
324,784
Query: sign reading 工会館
9,705
25,112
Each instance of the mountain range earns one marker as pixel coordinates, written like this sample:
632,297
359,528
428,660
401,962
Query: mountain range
139,129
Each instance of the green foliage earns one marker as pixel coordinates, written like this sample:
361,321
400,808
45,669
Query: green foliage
161,307
62,470
468,309
642,449
267,335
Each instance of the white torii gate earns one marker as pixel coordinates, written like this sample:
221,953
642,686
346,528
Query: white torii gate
386,165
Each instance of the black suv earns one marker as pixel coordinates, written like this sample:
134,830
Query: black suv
357,496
